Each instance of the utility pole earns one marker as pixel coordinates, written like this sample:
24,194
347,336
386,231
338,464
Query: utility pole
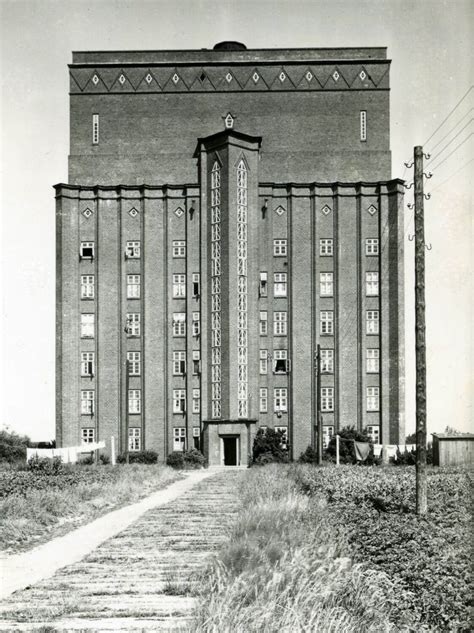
319,417
421,484
127,406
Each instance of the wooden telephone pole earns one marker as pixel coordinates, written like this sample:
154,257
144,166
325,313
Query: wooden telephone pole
319,417
127,405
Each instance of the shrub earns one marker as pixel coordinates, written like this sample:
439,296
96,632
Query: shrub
186,460
176,460
104,459
12,446
310,456
139,457
407,458
269,442
46,465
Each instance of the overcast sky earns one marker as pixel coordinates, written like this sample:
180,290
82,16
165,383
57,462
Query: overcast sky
429,43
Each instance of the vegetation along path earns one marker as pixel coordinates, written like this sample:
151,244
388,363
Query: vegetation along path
142,578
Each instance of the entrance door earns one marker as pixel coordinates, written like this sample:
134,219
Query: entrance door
230,451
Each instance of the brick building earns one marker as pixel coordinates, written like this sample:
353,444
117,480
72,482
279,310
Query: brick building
227,211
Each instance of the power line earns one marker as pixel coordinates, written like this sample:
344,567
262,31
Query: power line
452,175
450,113
451,130
454,150
449,143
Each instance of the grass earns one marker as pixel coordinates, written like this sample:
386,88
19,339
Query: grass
40,507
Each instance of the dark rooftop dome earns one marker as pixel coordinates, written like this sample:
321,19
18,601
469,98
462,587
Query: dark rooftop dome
230,46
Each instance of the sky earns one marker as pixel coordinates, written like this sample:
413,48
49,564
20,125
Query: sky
429,44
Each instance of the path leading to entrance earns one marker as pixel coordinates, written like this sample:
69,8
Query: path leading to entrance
141,578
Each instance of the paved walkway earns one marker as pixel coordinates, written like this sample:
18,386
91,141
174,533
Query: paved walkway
141,579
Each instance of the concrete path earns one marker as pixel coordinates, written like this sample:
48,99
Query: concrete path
141,579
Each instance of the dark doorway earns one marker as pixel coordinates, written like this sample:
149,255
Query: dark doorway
230,451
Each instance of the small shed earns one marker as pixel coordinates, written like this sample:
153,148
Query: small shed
453,450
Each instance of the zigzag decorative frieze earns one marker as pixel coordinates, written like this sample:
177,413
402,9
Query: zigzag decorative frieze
344,76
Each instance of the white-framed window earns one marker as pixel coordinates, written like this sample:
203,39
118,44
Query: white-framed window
373,361
326,322
280,323
263,362
134,438
132,327
372,322
133,249
196,325
134,400
179,249
280,247
179,286
179,400
263,400
279,284
326,247
179,363
196,400
372,284
87,402
327,398
86,250
326,284
197,437
373,397
133,286
328,432
263,288
284,439
87,286
373,431
134,363
179,324
88,436
280,399
280,361
196,285
179,438
263,322
363,125
372,246
95,129
327,361
87,325
87,364
196,362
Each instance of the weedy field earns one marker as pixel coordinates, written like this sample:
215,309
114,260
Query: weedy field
341,549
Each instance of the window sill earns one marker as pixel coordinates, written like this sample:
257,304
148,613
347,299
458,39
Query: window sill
133,298
87,337
372,373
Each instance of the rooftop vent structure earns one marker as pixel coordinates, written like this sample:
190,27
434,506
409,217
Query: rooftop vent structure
230,46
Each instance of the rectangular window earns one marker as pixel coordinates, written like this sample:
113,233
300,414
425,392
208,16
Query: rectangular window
372,246
363,125
327,398
196,400
134,363
263,289
134,400
263,362
95,129
373,398
133,250
263,323
179,400
372,284
132,327
87,286
179,249
373,431
327,361
133,286
372,322
328,432
326,247
263,400
196,285
87,402
280,399
88,436
280,248
179,324
280,323
326,322
179,439
196,362
280,361
179,363
326,284
197,438
284,439
87,364
279,285
87,325
179,286
373,361
134,439
87,250
196,323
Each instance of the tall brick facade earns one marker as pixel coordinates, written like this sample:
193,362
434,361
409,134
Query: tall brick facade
227,211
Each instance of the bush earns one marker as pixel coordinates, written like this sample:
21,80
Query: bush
176,460
13,446
46,465
269,442
186,460
104,459
310,456
139,457
346,448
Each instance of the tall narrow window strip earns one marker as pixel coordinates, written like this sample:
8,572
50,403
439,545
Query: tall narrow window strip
87,402
88,436
363,125
263,399
133,249
263,323
373,397
372,322
132,327
179,286
280,247
179,439
216,406
242,287
95,129
179,324
179,363
87,250
134,439
327,361
326,247
87,325
327,322
373,360
327,399
133,286
326,284
279,284
179,249
280,399
87,364
372,284
134,401
280,323
372,246
87,286
134,362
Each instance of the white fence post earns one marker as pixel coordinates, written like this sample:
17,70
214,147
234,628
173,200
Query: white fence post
112,450
337,450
